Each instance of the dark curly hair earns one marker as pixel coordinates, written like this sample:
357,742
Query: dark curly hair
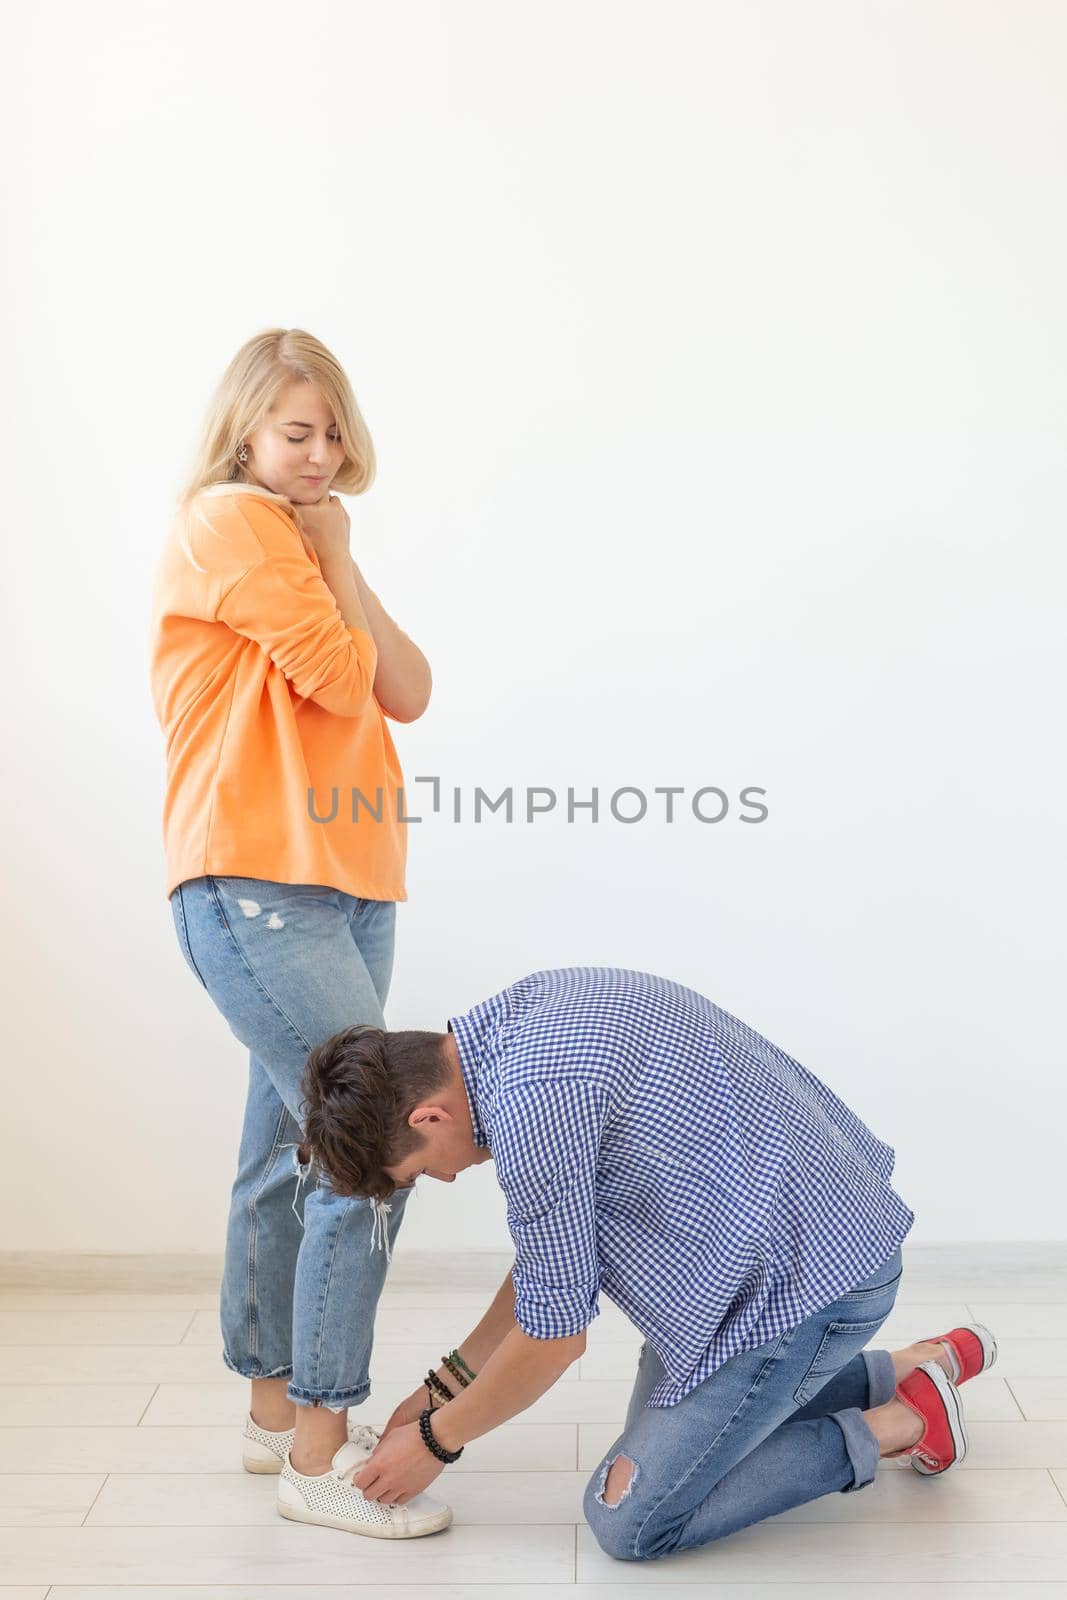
359,1087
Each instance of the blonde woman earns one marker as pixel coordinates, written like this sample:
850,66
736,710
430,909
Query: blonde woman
275,671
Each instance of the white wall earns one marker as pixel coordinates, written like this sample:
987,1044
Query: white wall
714,356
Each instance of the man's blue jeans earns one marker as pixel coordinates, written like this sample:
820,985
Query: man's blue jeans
288,965
773,1428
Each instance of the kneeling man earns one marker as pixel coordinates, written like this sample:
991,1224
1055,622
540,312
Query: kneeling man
653,1148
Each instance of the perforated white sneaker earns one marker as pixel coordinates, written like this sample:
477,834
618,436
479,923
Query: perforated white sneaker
264,1451
332,1499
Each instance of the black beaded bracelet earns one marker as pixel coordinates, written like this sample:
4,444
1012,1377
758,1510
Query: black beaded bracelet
430,1398
451,1367
435,1386
433,1446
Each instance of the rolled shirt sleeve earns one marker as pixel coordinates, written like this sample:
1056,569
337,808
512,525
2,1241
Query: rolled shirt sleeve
545,1142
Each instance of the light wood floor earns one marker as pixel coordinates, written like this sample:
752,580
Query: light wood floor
121,1471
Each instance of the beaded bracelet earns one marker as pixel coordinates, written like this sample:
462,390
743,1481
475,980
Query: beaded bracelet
450,1366
432,1444
437,1391
454,1355
434,1384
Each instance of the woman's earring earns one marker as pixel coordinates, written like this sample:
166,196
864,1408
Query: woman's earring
242,453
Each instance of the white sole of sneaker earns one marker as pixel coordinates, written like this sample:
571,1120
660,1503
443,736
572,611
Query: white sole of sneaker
369,1530
988,1343
954,1416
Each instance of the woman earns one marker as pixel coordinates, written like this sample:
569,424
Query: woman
273,670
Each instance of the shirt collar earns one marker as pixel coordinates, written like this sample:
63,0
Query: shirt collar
475,1033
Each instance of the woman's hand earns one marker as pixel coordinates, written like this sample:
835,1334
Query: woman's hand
408,1410
326,526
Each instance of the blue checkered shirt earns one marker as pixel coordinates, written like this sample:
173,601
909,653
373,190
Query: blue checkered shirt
654,1147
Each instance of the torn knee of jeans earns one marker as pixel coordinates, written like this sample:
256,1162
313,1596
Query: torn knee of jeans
622,1483
302,1170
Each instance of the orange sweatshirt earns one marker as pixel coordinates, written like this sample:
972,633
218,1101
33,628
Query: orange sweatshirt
263,693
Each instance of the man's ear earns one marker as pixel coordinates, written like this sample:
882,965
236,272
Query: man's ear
428,1113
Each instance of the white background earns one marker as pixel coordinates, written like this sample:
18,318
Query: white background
713,354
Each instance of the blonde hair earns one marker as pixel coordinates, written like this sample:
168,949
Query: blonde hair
241,404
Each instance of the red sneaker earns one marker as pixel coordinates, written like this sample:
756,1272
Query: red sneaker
931,1394
972,1349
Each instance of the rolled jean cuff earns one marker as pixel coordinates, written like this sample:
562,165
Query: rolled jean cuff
881,1376
334,1400
861,1445
256,1369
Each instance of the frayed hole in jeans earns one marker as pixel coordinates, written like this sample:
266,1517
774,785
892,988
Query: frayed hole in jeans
627,1487
301,1170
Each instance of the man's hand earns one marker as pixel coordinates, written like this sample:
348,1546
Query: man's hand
408,1410
399,1468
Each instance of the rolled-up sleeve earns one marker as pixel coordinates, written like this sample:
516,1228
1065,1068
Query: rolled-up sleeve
545,1150
286,606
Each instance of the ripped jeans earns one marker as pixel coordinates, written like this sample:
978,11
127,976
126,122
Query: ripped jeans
288,965
772,1428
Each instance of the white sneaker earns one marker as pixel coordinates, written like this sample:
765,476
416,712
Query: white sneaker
332,1499
264,1451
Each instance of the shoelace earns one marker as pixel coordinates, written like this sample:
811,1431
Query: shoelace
366,1437
346,1474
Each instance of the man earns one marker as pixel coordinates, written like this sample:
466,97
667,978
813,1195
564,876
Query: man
654,1148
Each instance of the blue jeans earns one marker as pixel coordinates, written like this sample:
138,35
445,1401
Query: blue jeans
288,965
773,1428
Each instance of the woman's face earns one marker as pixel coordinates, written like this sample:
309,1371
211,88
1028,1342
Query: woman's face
297,444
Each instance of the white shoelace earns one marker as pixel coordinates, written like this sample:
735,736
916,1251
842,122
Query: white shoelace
366,1437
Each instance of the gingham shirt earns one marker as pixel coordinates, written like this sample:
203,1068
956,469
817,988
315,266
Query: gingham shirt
653,1146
